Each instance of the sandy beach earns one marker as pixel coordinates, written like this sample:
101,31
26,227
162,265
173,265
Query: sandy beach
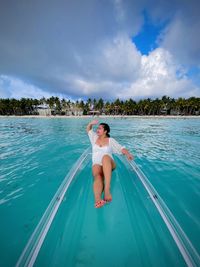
104,116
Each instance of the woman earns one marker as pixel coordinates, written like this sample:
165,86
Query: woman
102,160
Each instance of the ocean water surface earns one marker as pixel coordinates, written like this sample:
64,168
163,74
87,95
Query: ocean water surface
37,153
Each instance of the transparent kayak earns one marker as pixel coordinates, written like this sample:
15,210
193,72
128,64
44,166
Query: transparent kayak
135,229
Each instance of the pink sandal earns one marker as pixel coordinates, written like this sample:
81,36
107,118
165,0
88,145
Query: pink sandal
99,203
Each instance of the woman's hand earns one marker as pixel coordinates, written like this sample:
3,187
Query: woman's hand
130,156
89,126
94,122
127,154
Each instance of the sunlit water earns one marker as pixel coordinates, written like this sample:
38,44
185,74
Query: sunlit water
36,154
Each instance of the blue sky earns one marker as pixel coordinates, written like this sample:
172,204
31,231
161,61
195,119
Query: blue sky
146,39
109,48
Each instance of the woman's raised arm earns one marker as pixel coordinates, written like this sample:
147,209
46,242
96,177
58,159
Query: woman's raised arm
89,126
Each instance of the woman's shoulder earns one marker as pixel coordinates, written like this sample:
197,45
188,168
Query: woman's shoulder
112,140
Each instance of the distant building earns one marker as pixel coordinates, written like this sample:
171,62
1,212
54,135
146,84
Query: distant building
94,112
174,112
164,110
43,110
72,110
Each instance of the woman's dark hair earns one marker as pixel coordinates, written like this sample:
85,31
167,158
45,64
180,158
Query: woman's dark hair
106,128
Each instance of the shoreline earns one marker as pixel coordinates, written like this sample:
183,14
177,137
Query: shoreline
101,116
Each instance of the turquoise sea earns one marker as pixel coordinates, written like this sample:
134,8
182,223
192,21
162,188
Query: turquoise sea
37,153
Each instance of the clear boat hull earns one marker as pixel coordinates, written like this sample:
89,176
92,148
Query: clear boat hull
129,231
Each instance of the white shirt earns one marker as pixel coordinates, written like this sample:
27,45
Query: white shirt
98,152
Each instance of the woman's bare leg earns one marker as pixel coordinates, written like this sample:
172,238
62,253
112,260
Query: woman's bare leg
108,166
98,183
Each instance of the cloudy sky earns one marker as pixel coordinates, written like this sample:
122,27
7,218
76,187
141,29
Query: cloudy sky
99,48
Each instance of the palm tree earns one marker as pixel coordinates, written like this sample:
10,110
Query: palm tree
190,106
100,104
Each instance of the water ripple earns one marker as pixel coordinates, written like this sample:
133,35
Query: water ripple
36,154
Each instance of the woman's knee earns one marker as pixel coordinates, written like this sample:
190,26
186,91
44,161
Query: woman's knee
106,158
98,176
97,171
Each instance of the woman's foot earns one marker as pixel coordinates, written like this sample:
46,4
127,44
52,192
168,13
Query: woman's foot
107,196
99,203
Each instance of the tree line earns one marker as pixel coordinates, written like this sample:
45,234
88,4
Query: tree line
158,106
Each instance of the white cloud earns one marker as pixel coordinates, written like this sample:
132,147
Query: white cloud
181,36
119,59
160,75
64,48
182,40
118,70
11,87
121,71
119,10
